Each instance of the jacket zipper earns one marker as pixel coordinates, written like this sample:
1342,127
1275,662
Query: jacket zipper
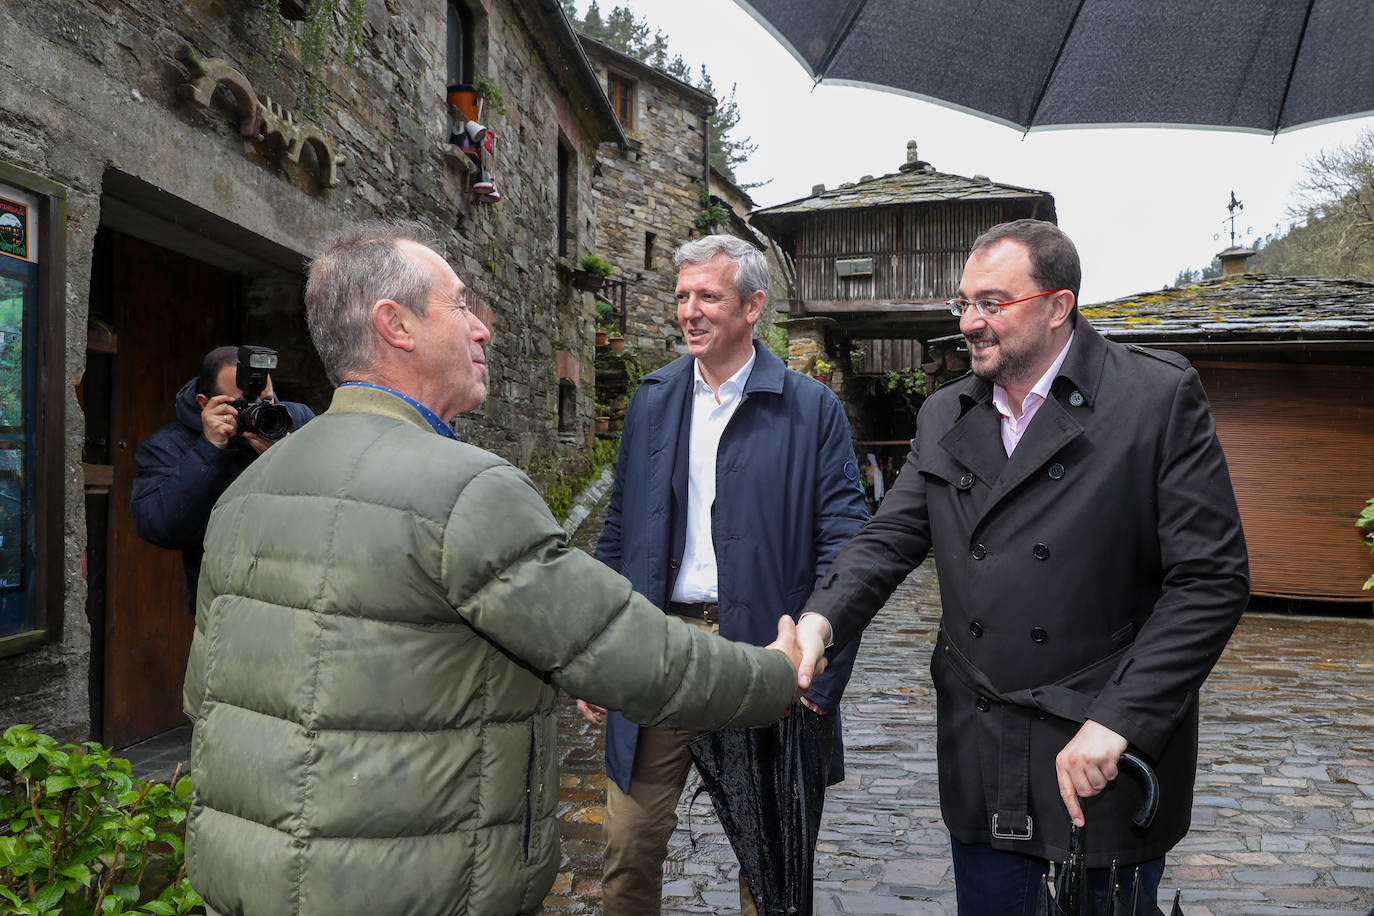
529,798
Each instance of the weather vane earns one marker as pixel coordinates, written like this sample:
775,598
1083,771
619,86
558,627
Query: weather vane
1234,206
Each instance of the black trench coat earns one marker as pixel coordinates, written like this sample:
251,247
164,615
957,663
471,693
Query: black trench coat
1096,573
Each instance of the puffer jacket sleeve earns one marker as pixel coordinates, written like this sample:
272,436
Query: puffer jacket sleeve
509,573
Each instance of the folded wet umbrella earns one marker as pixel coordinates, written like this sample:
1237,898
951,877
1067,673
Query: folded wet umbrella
767,785
1072,895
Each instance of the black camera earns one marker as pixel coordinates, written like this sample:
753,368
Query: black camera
263,418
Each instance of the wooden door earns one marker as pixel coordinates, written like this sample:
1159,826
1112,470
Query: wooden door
168,311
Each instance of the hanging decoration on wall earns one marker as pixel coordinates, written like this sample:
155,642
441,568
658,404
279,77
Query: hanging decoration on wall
474,139
259,118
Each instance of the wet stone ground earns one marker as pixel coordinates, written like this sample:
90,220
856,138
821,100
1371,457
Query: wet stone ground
1283,815
1283,818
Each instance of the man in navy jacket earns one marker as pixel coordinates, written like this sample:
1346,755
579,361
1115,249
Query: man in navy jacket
183,467
735,487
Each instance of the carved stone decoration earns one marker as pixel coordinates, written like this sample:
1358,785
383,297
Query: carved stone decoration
259,118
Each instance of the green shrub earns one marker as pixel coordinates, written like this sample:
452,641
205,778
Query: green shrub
605,316
80,835
561,489
594,265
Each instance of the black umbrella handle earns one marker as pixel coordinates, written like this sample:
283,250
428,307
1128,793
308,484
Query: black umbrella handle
1146,815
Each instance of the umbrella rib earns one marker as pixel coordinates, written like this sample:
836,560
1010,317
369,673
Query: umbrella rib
1293,66
1045,84
851,16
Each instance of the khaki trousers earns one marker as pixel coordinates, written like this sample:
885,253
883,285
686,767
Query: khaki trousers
639,824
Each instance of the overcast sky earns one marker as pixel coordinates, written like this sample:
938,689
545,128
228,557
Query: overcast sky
1140,203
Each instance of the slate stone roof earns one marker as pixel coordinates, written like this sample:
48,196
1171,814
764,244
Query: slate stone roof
1248,307
913,183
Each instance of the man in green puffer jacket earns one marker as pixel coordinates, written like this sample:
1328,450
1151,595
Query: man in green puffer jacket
384,615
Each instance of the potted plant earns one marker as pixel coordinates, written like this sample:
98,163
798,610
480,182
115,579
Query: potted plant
605,321
592,273
617,343
821,370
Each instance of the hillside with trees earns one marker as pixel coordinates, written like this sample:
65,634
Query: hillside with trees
1332,233
1335,233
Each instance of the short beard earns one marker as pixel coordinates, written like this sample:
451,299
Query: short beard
1008,367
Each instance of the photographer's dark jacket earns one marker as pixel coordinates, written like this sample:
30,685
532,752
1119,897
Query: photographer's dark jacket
180,475
1096,573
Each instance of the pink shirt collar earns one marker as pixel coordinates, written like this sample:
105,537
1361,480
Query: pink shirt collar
1013,428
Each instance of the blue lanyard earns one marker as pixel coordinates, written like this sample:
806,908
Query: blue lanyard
430,416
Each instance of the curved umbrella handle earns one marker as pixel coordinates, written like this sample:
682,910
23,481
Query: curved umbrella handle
1146,815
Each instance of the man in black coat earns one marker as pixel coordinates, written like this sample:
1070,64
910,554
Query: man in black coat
183,467
1091,566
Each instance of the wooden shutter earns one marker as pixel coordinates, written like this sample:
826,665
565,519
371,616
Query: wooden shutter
1299,441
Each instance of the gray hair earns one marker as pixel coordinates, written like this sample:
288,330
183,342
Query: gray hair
1053,257
357,268
751,267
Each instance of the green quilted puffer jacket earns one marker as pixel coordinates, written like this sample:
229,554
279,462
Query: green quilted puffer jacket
383,617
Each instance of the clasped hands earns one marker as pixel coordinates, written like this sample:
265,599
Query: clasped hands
803,648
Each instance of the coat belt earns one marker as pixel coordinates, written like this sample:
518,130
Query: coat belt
1004,740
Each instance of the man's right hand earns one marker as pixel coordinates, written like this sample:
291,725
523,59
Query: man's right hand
219,421
786,643
813,632
591,712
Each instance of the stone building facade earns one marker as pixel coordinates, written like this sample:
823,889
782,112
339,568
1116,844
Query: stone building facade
163,176
646,195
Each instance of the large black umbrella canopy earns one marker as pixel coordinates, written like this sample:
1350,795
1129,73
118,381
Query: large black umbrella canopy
1251,65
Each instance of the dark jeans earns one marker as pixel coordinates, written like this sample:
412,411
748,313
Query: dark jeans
990,882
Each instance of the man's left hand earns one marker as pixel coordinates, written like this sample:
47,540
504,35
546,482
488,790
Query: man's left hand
812,706
1086,765
258,443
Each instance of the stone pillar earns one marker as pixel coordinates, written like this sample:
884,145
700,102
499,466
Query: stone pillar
806,342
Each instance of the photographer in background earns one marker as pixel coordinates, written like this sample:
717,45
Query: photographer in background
184,466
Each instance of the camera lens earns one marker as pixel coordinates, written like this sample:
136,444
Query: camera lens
271,421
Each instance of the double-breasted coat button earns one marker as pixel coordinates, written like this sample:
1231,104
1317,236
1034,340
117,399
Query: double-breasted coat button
1040,552
673,563
975,628
1056,471
978,551
1076,399
1039,635
983,704
966,481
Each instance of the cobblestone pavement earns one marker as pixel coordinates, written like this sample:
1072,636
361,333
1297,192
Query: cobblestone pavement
1284,808
1283,816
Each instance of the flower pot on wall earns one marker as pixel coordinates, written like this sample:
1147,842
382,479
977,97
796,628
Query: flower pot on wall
463,97
617,344
603,424
587,281
600,338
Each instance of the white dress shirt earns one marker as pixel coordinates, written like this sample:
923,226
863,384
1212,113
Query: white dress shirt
697,579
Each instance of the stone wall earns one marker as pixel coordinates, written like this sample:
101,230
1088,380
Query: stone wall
91,89
655,188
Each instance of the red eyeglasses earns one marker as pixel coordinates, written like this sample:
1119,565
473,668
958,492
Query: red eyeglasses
991,308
